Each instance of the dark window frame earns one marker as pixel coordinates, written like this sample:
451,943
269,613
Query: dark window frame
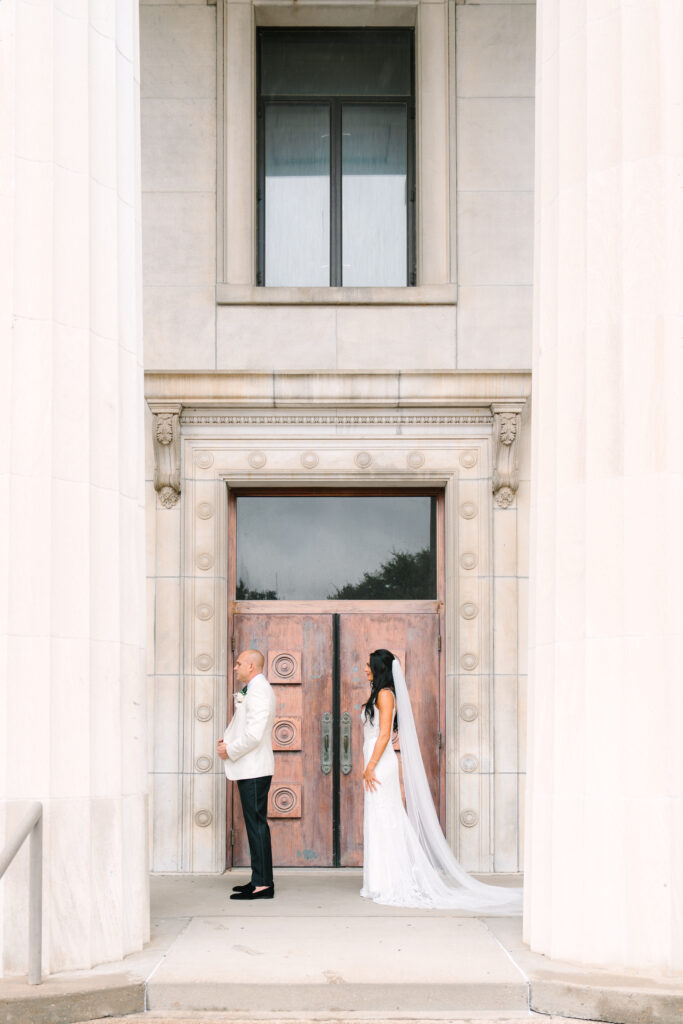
335,104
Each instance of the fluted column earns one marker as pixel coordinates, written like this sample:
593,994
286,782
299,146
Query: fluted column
604,863
72,690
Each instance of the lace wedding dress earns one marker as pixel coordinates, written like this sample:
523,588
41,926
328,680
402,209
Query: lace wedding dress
406,859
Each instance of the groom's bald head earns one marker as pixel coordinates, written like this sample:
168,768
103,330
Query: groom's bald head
248,664
256,658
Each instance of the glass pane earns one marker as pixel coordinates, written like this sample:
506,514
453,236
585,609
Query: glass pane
319,547
297,213
374,200
336,62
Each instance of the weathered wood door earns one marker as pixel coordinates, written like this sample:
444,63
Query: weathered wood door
315,663
299,664
414,638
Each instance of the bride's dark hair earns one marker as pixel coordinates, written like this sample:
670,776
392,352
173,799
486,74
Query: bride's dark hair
382,679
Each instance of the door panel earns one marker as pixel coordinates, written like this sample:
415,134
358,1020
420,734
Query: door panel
299,659
310,729
417,636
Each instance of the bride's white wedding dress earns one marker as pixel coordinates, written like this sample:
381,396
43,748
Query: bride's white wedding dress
406,859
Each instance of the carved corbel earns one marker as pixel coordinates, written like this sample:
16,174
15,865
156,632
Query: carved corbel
506,426
166,439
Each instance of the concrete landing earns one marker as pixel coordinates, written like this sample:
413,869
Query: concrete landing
319,946
318,952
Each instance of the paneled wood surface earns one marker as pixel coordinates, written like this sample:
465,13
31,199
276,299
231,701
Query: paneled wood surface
417,636
301,796
299,651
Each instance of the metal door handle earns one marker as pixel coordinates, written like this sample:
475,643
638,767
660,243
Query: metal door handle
326,753
346,757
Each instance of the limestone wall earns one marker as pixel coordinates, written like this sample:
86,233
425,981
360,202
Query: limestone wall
472,306
470,309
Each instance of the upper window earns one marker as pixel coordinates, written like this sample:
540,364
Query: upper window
336,157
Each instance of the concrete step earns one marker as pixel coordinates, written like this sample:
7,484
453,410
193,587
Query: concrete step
253,964
471,1017
58,1001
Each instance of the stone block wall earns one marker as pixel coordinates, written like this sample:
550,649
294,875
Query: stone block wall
474,93
471,309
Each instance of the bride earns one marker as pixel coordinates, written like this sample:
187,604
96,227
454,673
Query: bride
406,860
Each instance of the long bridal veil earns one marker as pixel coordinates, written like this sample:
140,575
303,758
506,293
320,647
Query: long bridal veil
451,884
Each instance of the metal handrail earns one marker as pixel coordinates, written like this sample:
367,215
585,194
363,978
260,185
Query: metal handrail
32,824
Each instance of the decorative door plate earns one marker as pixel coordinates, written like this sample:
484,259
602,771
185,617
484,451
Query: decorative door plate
287,733
284,666
284,800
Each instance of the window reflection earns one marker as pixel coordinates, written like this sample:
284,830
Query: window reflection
374,168
336,171
297,224
321,547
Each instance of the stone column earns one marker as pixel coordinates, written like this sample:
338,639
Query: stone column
72,685
604,856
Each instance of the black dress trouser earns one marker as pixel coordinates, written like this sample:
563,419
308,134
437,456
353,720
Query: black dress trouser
254,798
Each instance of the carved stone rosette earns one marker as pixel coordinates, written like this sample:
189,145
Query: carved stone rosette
506,427
166,438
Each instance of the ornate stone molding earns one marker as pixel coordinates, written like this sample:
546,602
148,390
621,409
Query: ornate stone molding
505,475
192,419
166,440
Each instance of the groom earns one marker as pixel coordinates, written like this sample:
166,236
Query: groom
247,754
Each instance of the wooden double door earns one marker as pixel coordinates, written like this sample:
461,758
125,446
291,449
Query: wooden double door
315,662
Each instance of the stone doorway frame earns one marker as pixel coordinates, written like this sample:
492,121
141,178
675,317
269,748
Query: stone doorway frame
213,431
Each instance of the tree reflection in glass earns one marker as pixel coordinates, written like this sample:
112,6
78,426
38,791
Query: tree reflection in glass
405,576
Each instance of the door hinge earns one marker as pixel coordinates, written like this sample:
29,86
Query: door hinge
232,837
438,642
439,741
232,642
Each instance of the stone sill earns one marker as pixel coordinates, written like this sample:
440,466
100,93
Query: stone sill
254,295
433,388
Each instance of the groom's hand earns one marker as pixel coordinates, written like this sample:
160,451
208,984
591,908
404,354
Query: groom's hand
222,752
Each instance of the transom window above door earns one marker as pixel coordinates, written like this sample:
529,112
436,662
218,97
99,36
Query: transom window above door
336,195
320,547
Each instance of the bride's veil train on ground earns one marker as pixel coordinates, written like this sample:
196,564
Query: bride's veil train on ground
452,886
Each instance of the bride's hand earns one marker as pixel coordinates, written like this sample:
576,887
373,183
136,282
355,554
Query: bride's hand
370,780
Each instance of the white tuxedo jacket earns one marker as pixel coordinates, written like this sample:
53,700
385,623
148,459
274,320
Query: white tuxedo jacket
248,737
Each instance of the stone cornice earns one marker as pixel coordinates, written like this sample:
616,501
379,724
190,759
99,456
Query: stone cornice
337,389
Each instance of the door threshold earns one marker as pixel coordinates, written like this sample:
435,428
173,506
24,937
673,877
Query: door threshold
307,869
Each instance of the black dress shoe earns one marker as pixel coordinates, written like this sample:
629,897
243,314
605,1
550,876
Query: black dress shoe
262,894
243,888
